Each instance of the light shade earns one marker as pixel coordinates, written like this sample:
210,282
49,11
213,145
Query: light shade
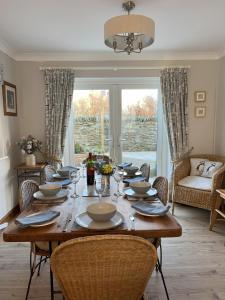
118,28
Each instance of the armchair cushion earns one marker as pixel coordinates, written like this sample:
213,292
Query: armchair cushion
197,166
210,168
196,182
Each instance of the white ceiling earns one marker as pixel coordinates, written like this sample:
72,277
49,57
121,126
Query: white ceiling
74,28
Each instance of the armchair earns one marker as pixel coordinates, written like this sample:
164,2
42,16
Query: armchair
198,197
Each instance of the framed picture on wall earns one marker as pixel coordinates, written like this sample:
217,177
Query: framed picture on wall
9,99
200,112
200,96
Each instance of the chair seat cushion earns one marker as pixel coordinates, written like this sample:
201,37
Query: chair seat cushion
196,182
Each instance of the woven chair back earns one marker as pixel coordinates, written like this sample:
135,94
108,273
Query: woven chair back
49,170
145,170
104,267
27,189
211,157
161,185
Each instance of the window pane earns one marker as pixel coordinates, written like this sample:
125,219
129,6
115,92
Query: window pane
91,122
139,126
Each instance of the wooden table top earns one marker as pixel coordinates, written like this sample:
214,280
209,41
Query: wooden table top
38,166
146,227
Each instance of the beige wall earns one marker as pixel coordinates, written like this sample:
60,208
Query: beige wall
31,108
220,120
9,153
203,76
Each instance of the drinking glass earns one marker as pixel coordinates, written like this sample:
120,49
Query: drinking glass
83,166
75,176
118,176
100,186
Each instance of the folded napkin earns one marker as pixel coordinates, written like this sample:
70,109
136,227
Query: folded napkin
136,179
124,165
157,209
37,219
61,182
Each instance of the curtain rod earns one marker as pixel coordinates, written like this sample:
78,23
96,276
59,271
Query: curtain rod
116,68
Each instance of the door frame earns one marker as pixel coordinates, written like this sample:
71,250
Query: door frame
115,86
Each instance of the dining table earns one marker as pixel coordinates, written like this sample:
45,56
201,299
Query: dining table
65,227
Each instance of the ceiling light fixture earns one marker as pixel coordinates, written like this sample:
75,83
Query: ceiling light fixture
129,33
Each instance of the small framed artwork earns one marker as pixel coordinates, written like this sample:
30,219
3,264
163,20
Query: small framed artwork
9,99
200,112
200,96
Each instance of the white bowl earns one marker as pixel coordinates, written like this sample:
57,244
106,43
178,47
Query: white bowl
140,187
131,170
101,212
50,189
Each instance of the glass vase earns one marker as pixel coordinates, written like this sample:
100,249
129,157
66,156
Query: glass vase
30,160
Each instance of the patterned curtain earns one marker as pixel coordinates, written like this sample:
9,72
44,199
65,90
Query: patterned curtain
59,84
174,86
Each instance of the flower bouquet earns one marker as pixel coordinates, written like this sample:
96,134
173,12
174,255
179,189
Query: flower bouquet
28,146
106,170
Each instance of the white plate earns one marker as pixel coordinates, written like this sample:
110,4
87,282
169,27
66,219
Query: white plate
57,176
138,173
59,195
150,193
85,221
44,224
146,215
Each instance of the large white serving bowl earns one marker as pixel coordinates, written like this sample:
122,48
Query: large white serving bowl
50,189
131,170
140,187
101,212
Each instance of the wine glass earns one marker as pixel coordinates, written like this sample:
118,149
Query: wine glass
118,176
75,176
100,186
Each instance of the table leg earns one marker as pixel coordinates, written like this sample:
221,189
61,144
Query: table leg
158,244
214,213
163,280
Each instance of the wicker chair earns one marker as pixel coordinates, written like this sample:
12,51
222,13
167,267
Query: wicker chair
104,267
196,197
49,170
145,170
161,185
27,189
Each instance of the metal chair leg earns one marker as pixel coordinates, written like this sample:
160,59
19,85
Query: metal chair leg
163,280
51,275
160,253
33,269
39,268
31,258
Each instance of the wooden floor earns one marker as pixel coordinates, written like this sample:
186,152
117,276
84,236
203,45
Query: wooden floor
194,264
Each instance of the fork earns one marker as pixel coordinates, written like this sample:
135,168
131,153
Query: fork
132,221
68,220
